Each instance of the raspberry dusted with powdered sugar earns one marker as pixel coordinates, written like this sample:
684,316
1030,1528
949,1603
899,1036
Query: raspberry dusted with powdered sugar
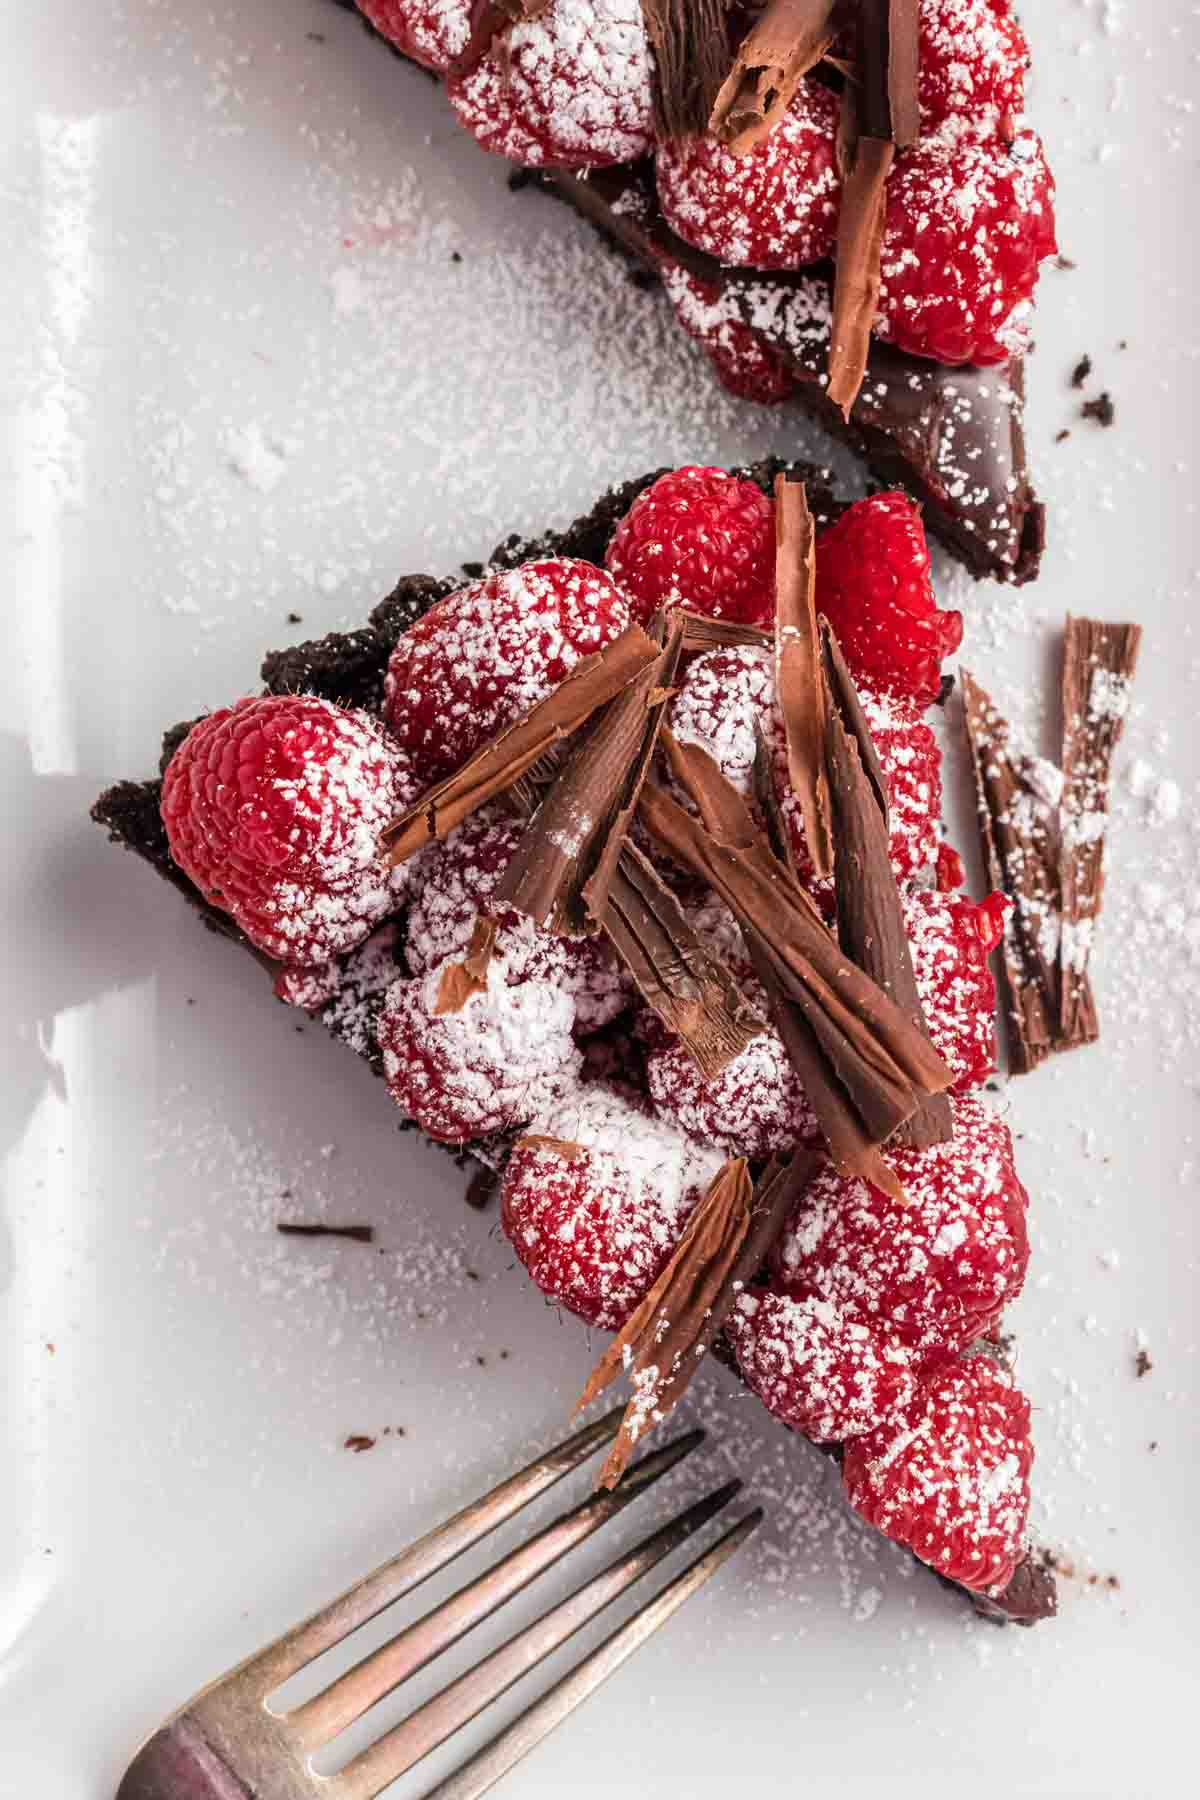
951,938
595,1200
874,587
968,226
432,32
274,807
699,538
726,697
936,1272
755,1105
485,1068
487,653
948,1474
776,206
571,88
820,1370
743,364
458,878
971,71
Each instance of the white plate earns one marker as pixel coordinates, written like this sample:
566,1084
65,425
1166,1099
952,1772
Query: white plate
228,241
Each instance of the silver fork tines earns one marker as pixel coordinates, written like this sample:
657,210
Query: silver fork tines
229,1743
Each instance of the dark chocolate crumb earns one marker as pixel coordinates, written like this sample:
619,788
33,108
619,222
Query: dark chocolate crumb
315,37
1101,409
520,178
1060,437
1153,1445
504,1356
1081,371
1064,262
482,1361
358,1234
1122,343
945,690
472,1275
481,1188
358,1441
643,278
473,569
295,618
1142,1364
456,256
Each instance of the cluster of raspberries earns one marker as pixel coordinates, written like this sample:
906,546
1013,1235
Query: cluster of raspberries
970,206
274,808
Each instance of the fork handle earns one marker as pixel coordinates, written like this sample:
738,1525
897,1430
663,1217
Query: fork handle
178,1763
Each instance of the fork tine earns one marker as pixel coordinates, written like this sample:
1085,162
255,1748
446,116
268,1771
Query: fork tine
346,1699
483,1770
382,1762
271,1667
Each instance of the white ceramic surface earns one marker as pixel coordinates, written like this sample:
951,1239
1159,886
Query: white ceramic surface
244,374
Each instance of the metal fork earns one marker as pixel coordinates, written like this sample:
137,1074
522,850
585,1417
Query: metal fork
228,1743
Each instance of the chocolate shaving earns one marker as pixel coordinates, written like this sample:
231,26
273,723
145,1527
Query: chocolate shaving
690,56
357,1234
767,796
517,749
564,1148
888,49
563,866
665,1340
799,684
1098,664
469,976
788,40
843,695
702,633
867,1068
489,18
857,271
1020,830
690,989
869,914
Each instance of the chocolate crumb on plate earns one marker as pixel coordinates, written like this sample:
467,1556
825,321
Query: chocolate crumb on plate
1081,371
358,1234
358,1441
1101,409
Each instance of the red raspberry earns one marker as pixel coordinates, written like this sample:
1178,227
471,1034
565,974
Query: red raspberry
776,207
951,939
569,89
432,32
968,226
873,586
949,872
274,808
457,880
911,764
484,655
725,696
973,58
754,1106
948,1474
487,1068
745,366
702,538
936,1272
819,1370
595,1229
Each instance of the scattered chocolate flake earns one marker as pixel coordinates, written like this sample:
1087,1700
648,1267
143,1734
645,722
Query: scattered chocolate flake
1101,409
787,40
295,618
1060,437
1081,371
456,256
865,1067
1142,1366
945,689
1019,825
869,914
799,682
690,57
1064,262
888,54
468,976
857,273
482,1188
566,1148
564,864
1099,660
1030,1595
514,750
315,37
358,1441
358,1234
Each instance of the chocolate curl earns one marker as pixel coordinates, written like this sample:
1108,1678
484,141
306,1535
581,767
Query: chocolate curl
773,58
689,41
888,49
867,1068
870,919
799,683
677,975
462,980
1019,828
563,866
702,633
517,749
1099,660
665,1340
857,269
